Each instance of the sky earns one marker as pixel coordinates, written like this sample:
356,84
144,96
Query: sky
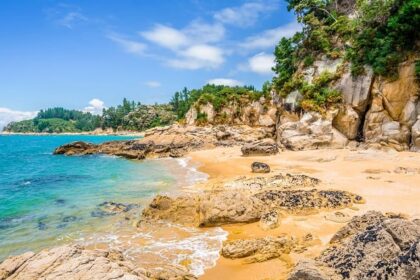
88,55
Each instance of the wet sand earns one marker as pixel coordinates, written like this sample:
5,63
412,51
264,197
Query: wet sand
388,181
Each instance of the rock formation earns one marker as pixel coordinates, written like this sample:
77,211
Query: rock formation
371,246
75,262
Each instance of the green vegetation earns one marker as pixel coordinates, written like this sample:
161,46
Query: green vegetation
380,33
218,96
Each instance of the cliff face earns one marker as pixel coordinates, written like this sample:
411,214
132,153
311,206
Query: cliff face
374,111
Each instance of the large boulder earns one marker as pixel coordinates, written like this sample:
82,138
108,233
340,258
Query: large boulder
415,136
229,207
260,147
311,131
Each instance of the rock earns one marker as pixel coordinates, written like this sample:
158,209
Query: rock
76,262
355,90
115,207
78,147
257,249
375,246
415,136
260,167
347,122
292,101
260,147
269,220
306,200
307,270
312,131
229,207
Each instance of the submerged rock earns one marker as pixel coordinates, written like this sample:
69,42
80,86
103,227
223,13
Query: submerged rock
109,208
260,167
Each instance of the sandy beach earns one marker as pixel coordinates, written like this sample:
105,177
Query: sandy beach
388,182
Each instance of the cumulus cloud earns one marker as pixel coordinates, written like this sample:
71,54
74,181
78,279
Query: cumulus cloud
165,36
225,82
244,15
153,84
261,63
8,115
269,38
198,56
95,107
128,46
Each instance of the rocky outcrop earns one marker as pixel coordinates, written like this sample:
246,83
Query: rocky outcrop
372,246
311,131
257,249
171,141
393,111
248,200
260,167
260,147
76,262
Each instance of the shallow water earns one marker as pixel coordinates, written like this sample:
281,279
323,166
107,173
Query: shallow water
47,200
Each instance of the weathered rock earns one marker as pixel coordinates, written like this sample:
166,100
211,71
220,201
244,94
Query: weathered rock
269,220
312,131
415,136
307,201
76,262
229,207
258,249
347,122
260,167
260,147
291,103
307,270
355,90
375,246
108,208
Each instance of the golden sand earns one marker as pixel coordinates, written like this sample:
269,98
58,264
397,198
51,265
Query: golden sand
388,181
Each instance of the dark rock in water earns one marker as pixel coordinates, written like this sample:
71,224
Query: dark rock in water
60,201
260,167
62,225
109,208
69,219
42,226
260,147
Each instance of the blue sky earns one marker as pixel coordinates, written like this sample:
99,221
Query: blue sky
91,54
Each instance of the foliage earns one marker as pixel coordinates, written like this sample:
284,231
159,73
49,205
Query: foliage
217,95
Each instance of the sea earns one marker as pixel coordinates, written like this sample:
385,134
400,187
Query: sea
48,200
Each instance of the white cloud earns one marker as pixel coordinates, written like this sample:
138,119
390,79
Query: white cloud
8,115
70,19
95,107
128,46
153,84
269,38
200,32
166,36
261,63
225,82
245,15
198,56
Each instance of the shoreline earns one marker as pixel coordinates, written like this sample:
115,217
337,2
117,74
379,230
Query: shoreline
123,133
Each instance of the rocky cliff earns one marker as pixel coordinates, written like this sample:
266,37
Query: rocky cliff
374,111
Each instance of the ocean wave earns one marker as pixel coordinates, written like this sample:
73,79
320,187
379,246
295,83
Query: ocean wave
193,175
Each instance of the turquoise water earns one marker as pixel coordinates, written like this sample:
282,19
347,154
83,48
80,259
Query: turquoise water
47,200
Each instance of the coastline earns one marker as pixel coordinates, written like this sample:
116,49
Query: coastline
92,133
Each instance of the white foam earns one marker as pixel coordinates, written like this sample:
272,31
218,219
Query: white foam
193,175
